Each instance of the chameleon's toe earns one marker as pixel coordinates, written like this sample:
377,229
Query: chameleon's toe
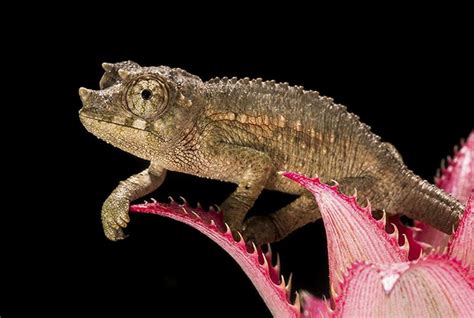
111,224
260,229
126,218
121,222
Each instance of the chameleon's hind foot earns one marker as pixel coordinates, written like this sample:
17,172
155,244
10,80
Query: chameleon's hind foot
261,229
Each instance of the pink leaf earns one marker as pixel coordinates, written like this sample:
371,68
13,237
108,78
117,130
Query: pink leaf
352,233
408,233
458,180
254,262
435,286
461,245
314,307
433,238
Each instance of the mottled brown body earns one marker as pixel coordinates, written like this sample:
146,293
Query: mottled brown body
245,131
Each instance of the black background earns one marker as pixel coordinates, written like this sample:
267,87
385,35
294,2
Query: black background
408,76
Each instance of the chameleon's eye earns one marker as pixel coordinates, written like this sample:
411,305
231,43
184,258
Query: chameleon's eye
147,94
147,98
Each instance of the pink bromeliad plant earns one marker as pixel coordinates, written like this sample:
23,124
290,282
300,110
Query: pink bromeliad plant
372,272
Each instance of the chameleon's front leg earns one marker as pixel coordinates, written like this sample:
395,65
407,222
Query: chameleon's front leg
250,170
116,206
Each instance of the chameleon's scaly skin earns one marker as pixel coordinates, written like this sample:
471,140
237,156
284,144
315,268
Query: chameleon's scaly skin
245,131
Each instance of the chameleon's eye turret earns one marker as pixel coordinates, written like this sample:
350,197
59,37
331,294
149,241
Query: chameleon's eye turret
147,97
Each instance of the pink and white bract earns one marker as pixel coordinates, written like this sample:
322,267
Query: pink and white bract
372,272
458,180
380,280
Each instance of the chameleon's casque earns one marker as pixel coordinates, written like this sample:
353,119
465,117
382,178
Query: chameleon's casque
246,131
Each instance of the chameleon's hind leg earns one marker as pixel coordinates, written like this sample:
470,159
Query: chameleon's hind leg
275,226
304,210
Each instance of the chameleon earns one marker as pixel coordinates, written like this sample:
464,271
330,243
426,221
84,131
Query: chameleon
245,131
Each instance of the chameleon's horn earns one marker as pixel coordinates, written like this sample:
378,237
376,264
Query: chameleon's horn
124,75
108,67
84,93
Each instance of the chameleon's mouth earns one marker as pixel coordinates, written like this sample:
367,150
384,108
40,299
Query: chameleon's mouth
86,115
131,136
98,125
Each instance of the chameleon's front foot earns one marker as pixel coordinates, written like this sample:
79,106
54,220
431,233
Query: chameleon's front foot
115,209
115,217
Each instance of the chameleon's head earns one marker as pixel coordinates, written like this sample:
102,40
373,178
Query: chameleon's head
139,109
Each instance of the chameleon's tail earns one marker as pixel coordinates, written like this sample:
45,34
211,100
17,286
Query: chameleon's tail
429,204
